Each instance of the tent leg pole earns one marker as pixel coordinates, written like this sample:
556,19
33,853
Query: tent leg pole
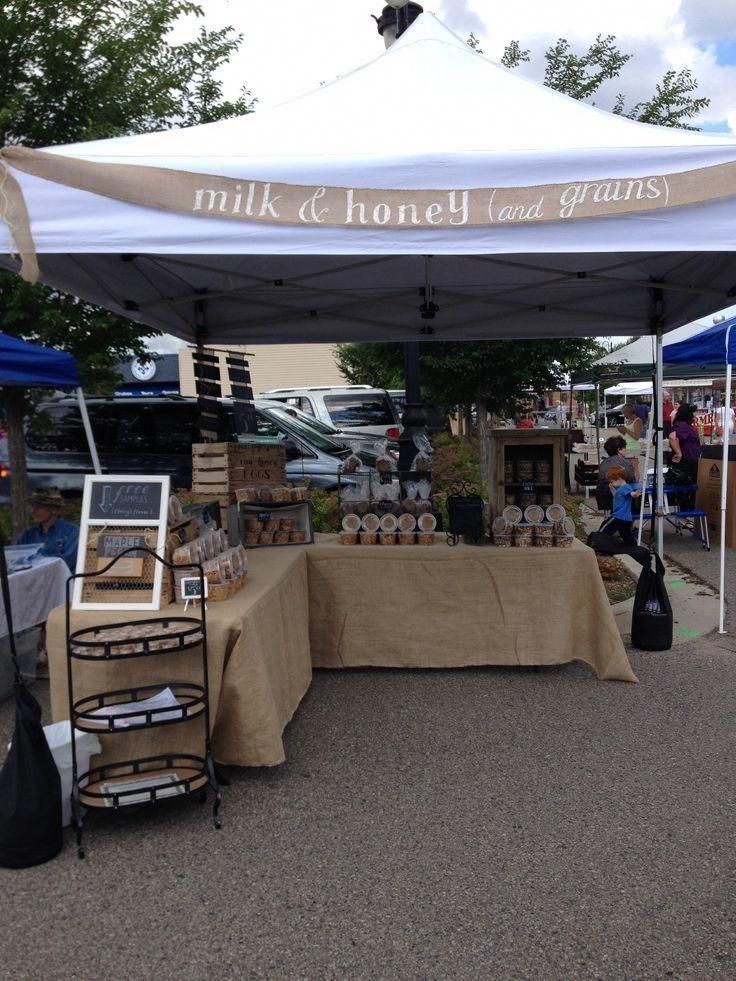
598,421
724,496
643,497
659,465
88,431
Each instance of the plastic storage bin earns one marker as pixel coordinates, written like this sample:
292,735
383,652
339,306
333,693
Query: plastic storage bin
59,738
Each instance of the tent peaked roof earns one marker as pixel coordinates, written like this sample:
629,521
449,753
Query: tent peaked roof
35,366
428,194
711,348
428,95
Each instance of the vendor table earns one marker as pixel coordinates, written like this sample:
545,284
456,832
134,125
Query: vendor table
355,606
450,607
34,592
258,664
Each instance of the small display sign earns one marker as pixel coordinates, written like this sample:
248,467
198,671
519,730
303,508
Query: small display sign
110,546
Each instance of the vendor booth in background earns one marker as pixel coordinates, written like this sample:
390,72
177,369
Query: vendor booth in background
715,347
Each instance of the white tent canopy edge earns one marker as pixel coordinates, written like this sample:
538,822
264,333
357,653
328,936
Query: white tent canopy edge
223,281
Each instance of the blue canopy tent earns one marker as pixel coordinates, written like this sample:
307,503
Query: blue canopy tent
712,348
33,366
25,365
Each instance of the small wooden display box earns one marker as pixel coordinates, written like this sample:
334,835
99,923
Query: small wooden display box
220,468
527,466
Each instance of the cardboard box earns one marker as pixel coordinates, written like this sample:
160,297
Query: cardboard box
709,498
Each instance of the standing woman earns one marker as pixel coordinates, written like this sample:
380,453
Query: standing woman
631,432
685,442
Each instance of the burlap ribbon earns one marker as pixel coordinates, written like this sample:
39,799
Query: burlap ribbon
212,196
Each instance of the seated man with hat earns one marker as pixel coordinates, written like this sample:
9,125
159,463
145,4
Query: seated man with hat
58,537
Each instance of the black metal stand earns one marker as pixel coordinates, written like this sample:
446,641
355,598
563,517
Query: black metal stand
147,780
464,514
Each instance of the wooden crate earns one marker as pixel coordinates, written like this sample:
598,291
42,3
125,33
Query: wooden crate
218,468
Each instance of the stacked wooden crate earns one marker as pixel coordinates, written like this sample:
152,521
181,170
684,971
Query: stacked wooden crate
219,469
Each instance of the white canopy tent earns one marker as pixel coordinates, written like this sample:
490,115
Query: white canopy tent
430,194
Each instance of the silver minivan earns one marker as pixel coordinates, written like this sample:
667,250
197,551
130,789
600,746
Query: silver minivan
356,408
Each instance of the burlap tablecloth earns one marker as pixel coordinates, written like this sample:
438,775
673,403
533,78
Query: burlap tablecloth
258,662
440,607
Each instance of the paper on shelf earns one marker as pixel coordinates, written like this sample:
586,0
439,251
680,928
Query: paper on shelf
161,700
142,784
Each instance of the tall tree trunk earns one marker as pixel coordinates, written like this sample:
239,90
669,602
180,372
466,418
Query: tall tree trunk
14,403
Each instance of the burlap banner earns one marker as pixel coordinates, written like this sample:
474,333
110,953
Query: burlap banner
211,196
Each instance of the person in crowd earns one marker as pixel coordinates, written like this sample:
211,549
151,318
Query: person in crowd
719,415
525,422
685,442
621,520
642,410
631,431
57,537
668,407
615,450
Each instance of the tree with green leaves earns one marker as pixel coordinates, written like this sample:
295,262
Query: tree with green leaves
76,70
499,374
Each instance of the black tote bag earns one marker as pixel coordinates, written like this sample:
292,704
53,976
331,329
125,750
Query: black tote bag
652,621
30,786
30,791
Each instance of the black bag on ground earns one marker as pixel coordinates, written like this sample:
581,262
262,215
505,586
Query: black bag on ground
30,791
652,621
608,545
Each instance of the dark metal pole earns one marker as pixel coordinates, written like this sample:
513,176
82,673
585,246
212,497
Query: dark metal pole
414,417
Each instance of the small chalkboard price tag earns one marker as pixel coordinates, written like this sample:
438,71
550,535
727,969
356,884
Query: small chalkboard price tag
528,486
190,588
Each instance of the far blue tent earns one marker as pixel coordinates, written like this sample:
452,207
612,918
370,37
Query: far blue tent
28,365
712,348
709,349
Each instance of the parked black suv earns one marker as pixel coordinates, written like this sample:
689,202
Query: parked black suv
155,436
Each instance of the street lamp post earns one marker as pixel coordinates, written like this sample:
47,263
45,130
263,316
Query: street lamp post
395,17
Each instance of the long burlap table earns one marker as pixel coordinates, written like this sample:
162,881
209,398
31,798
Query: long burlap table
440,607
258,663
413,606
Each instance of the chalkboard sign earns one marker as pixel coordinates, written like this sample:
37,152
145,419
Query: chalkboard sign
120,513
191,587
125,501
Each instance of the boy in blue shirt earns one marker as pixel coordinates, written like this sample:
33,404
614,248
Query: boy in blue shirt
621,516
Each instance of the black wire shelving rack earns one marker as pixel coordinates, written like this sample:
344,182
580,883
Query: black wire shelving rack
149,779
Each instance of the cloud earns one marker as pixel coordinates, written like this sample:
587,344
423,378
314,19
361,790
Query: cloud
460,17
709,20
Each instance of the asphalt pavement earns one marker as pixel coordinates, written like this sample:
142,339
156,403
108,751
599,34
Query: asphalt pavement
480,823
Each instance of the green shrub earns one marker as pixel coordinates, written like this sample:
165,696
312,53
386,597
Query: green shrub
325,516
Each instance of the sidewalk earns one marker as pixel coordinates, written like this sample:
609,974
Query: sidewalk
691,578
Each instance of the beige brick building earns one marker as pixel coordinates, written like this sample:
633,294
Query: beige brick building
272,366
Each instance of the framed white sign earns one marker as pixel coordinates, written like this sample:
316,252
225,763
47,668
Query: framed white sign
132,509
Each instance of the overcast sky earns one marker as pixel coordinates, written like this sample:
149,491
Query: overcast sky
291,46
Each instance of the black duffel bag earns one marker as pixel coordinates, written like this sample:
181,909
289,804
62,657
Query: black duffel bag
605,544
652,621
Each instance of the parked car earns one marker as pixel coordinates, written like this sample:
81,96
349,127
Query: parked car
353,408
155,436
363,442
